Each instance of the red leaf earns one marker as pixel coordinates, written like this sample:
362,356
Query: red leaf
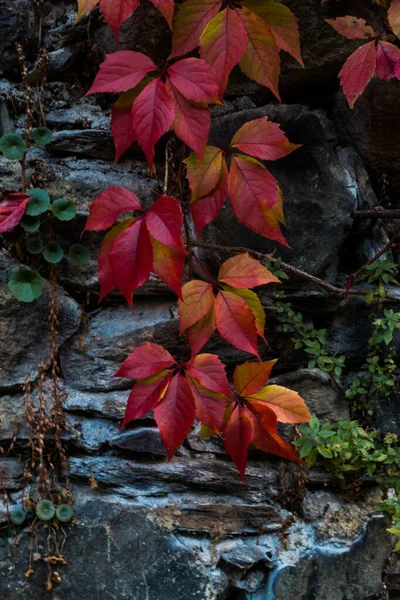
117,11
357,71
145,360
175,413
194,79
206,209
387,55
105,273
204,176
121,71
263,139
145,394
253,302
12,209
108,206
236,322
199,333
237,436
254,194
210,406
351,27
266,437
222,44
394,16
198,300
251,377
164,221
166,8
169,264
152,115
192,121
121,129
132,259
242,271
261,60
210,371
288,406
189,23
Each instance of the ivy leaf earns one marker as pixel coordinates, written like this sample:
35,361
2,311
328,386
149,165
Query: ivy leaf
152,115
251,377
201,331
357,71
166,8
12,208
197,301
39,202
210,372
168,265
351,27
194,79
53,253
164,221
387,56
235,322
63,209
145,394
242,271
207,208
175,413
210,406
288,406
105,274
12,146
121,119
204,176
237,435
222,44
254,193
253,301
145,361
117,11
261,61
42,136
79,255
108,206
26,285
122,71
189,23
263,139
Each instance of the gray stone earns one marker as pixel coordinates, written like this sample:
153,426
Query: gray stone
26,328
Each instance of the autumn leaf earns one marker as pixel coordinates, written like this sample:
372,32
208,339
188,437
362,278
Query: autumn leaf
237,436
204,176
200,332
207,208
195,80
168,264
105,271
198,300
145,360
12,209
251,377
145,395
394,17
263,139
108,206
210,372
166,8
286,404
242,271
210,406
189,23
164,221
357,71
351,27
235,322
121,71
387,56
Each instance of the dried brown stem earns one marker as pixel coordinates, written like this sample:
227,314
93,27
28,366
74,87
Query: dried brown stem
28,109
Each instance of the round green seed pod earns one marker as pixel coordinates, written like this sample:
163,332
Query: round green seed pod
64,513
17,516
45,510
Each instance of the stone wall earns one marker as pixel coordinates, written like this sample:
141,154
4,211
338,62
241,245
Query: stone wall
190,529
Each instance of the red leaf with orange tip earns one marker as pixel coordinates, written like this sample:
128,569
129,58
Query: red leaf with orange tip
108,206
263,139
357,71
105,272
222,44
286,404
235,322
164,221
253,302
132,259
194,79
189,23
144,361
145,394
197,301
206,209
210,406
267,438
122,71
204,176
175,413
168,265
237,435
351,27
153,113
251,377
199,333
242,271
210,372
387,56
12,209
253,193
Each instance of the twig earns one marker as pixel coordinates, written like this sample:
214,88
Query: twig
28,110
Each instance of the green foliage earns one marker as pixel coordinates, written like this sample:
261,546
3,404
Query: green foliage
79,255
34,245
63,209
26,285
17,516
42,136
39,202
12,146
64,513
45,510
30,224
53,253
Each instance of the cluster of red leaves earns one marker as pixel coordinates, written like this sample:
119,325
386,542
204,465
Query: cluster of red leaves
254,193
132,249
377,56
179,393
12,209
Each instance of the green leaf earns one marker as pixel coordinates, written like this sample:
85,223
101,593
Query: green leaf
30,224
53,252
34,245
325,452
64,209
26,285
79,255
312,457
314,423
39,202
306,449
42,136
12,146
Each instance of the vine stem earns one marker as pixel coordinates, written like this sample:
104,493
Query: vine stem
189,244
28,110
290,268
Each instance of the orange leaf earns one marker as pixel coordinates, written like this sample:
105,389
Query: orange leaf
251,377
235,322
288,406
242,271
204,176
168,265
198,300
199,333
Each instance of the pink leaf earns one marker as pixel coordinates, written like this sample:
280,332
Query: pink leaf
164,221
12,209
357,71
194,79
121,71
